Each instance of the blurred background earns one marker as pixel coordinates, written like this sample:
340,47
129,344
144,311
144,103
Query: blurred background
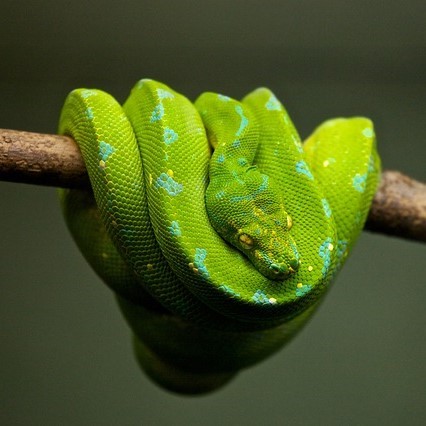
65,350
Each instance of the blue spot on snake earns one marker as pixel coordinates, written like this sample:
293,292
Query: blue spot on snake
165,94
174,229
359,182
261,298
262,187
242,162
236,143
273,104
302,168
89,113
87,93
325,254
220,158
229,290
368,132
169,184
158,113
244,120
224,98
342,246
105,150
298,144
200,257
301,291
220,194
326,207
169,136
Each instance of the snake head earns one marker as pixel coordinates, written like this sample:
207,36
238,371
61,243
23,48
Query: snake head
269,246
250,215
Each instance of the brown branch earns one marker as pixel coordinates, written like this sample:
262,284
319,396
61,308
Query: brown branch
39,159
399,206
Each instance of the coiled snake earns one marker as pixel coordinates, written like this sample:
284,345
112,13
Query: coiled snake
216,228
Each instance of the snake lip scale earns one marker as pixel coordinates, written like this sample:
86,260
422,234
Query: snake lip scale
213,223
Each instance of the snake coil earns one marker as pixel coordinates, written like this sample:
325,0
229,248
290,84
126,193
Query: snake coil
217,229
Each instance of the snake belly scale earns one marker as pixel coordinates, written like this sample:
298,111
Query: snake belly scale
218,230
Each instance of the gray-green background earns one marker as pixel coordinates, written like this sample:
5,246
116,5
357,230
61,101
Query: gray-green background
65,351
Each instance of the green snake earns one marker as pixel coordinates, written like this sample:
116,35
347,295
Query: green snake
217,229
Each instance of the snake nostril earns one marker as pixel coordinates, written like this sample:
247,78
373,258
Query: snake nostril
275,268
278,269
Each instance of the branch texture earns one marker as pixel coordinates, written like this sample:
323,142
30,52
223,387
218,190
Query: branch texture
398,209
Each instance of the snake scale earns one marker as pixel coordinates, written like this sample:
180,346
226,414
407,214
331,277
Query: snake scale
217,229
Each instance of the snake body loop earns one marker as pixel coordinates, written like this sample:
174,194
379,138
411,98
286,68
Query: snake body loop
216,228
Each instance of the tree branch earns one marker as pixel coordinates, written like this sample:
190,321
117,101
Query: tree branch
40,159
398,209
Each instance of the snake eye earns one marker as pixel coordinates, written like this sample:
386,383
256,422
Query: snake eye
289,222
246,241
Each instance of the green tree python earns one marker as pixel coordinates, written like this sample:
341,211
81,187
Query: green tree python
217,229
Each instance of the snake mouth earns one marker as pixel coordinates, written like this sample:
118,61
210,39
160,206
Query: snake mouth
284,270
273,269
280,271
